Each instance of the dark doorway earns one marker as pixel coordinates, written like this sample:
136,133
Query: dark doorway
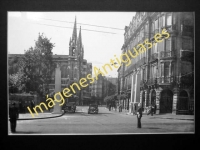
166,101
183,101
143,100
153,97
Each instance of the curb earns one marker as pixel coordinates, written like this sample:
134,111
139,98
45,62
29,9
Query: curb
42,118
154,117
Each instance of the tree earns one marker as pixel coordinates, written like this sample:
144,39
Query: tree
39,65
16,82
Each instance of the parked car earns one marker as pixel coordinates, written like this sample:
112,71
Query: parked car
70,107
93,108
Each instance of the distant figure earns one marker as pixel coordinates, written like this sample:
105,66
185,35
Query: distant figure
155,107
13,114
109,107
120,107
139,116
152,109
32,104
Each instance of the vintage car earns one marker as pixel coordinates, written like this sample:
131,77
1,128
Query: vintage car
70,107
93,108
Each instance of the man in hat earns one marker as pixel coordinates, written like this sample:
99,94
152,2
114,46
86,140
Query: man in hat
13,114
139,115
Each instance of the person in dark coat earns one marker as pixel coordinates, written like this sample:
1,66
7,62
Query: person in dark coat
152,110
109,107
13,114
139,116
155,107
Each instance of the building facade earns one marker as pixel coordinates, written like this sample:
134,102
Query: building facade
164,74
73,67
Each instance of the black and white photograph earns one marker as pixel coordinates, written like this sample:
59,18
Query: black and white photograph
100,72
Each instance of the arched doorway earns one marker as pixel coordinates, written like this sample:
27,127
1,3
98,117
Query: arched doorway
183,101
143,100
153,97
166,101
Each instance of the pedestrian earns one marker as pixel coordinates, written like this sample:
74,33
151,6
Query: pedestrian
13,114
139,116
109,107
152,109
155,107
120,107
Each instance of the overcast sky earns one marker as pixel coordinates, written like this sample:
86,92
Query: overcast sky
99,47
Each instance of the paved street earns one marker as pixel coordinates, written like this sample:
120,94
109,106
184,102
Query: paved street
106,122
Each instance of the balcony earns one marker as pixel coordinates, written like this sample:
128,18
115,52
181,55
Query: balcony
165,79
154,56
167,54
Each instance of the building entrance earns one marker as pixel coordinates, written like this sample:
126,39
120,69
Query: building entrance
166,101
143,101
183,101
153,97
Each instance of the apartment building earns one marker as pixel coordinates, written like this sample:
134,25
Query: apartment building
164,74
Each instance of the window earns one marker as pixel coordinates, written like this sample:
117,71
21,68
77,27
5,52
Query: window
173,43
163,21
169,20
166,69
64,72
168,44
172,69
144,74
156,24
187,44
155,48
146,29
188,19
142,33
75,72
152,27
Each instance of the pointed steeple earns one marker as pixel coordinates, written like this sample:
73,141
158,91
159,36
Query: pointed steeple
80,38
74,35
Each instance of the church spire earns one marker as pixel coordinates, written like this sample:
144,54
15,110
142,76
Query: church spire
80,38
74,35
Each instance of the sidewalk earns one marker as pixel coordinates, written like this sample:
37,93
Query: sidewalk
40,115
160,116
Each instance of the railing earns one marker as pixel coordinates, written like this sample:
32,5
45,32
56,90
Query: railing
154,56
167,54
165,79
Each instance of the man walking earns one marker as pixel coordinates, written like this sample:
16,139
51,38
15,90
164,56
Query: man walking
139,116
13,114
152,109
155,107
